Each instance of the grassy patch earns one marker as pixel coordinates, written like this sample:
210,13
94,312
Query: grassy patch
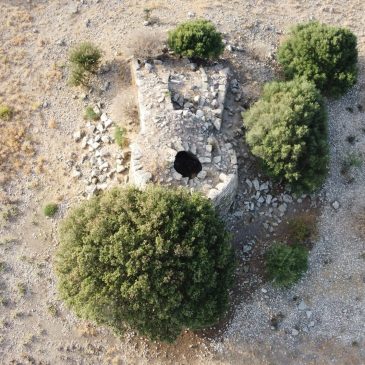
22,288
90,114
286,264
6,112
119,136
50,209
351,160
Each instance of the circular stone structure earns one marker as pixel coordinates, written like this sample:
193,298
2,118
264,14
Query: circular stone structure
180,142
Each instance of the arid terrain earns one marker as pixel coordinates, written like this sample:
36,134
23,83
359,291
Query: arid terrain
320,320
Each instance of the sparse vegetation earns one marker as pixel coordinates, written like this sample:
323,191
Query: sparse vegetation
90,114
16,148
146,45
50,209
287,130
324,54
78,76
53,311
286,264
196,39
119,136
8,212
157,260
22,288
350,161
301,228
7,240
147,14
359,223
124,108
5,112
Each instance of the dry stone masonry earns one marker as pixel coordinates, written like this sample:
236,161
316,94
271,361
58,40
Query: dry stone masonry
180,141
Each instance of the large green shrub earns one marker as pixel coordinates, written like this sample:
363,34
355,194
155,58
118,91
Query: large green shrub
323,54
287,130
286,264
196,39
158,261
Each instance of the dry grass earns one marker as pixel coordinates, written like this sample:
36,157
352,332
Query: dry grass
124,109
87,330
146,45
16,147
302,228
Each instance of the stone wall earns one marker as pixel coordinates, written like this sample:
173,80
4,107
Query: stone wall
181,109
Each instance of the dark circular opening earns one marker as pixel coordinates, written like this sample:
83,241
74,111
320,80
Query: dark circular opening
187,164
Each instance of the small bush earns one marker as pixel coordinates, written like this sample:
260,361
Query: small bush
119,136
22,288
157,260
78,76
196,39
147,14
286,264
90,114
50,209
6,112
86,56
287,130
323,54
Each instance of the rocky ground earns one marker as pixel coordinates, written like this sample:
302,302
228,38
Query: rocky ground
318,321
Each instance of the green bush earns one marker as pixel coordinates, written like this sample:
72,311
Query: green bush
50,209
119,136
286,264
85,60
287,130
323,54
86,56
6,112
196,39
90,114
158,261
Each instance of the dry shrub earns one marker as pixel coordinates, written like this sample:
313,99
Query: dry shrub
146,44
124,109
87,330
125,75
14,147
302,228
359,221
